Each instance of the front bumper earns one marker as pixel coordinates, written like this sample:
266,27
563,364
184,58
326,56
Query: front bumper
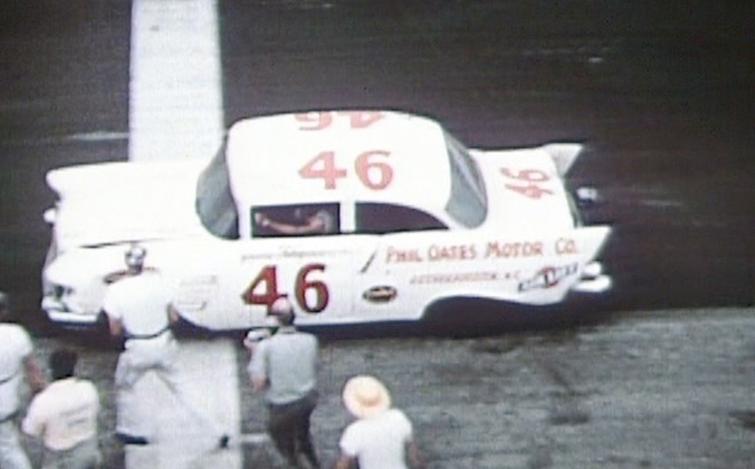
59,313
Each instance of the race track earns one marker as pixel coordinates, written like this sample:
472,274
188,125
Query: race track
661,375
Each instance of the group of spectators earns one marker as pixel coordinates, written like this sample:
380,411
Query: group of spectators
283,365
62,413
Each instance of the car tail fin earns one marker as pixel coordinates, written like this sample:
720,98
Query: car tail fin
563,155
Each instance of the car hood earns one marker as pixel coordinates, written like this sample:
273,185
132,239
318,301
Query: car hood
111,203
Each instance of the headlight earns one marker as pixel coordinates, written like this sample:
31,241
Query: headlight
60,291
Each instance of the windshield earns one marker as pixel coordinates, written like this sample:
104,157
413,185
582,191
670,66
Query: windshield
215,204
468,203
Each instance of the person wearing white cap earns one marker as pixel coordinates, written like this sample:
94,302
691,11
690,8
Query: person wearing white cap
139,309
382,436
285,366
16,361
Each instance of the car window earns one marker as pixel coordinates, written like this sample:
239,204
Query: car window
295,220
468,202
379,218
215,205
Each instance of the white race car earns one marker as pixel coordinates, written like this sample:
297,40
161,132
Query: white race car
355,216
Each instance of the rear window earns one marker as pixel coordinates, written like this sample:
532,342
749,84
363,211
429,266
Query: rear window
215,204
468,202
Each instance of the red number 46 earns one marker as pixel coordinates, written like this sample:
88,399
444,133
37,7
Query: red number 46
264,289
375,175
532,176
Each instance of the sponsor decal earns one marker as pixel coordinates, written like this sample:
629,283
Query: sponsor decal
452,253
380,294
548,277
397,256
566,246
468,252
515,249
460,277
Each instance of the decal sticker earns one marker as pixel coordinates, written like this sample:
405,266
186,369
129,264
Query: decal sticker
380,294
264,289
460,277
323,120
397,256
531,176
452,253
565,246
372,172
548,277
468,252
515,249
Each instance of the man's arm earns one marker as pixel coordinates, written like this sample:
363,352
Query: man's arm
34,374
257,368
173,315
115,325
414,455
345,461
313,225
32,425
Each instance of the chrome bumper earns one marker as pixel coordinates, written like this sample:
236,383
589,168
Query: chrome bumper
58,312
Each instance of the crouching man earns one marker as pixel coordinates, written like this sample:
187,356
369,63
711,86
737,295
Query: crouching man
64,416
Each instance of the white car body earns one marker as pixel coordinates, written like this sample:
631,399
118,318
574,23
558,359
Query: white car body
419,219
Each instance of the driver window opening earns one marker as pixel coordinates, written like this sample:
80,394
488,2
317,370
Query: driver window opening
296,220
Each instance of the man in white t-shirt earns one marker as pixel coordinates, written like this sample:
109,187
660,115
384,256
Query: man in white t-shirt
64,416
138,308
16,359
381,437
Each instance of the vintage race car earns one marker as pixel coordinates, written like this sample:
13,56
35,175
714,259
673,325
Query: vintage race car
355,216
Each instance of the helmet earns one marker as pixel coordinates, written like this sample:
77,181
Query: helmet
135,256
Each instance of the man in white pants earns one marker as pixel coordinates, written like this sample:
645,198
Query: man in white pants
139,308
16,359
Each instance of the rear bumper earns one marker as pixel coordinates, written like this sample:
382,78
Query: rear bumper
593,279
598,284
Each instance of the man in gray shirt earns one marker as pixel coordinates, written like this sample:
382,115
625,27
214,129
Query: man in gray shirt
285,366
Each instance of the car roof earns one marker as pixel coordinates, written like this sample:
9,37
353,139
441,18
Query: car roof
281,159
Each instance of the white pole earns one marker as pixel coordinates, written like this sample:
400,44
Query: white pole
176,98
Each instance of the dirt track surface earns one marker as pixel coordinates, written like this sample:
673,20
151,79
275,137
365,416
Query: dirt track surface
660,389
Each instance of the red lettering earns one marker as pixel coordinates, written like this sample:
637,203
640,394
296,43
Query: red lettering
316,120
323,166
267,279
365,168
322,296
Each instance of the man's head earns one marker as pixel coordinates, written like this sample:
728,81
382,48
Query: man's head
365,396
134,258
283,311
63,363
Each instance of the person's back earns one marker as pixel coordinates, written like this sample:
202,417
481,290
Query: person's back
15,345
381,437
379,442
64,417
292,360
64,414
140,302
